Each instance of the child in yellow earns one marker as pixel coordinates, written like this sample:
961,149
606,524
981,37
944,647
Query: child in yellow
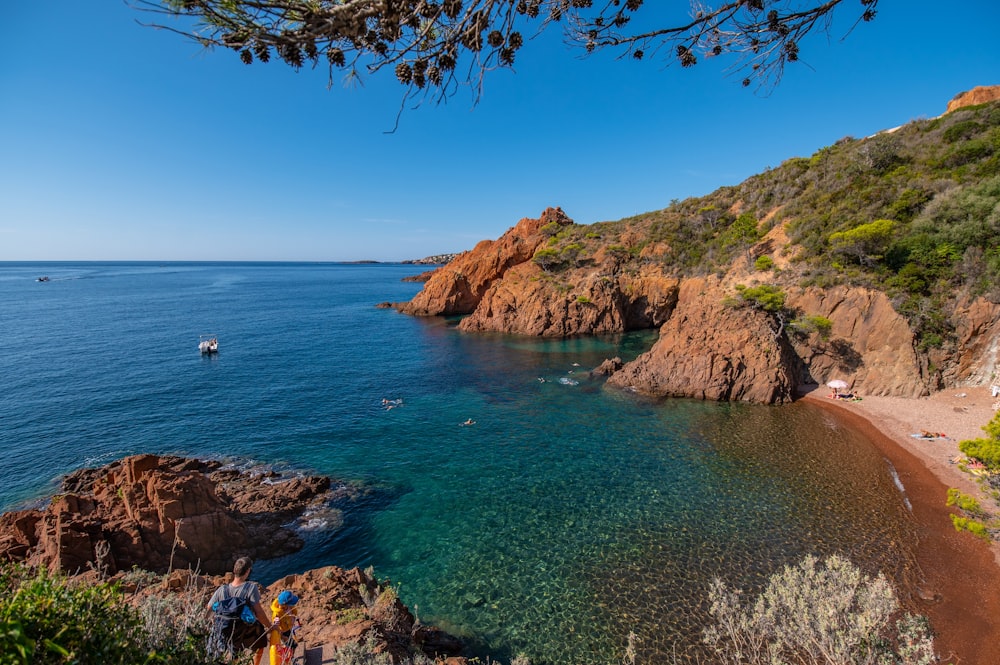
285,620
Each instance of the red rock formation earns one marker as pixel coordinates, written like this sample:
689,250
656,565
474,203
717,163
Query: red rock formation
158,513
529,301
977,333
457,287
871,346
981,94
707,350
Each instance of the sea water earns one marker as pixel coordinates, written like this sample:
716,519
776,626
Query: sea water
566,516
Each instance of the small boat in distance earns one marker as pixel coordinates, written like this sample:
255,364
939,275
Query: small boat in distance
43,278
208,344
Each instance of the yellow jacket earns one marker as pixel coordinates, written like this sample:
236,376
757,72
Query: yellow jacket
286,617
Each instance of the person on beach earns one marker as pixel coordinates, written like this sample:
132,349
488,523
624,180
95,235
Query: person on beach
238,620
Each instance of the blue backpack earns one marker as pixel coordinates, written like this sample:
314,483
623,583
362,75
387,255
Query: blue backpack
233,608
232,614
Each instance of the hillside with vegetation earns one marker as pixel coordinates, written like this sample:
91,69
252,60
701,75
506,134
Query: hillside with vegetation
914,212
875,260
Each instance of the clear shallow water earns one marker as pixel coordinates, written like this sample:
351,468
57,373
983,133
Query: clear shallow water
564,518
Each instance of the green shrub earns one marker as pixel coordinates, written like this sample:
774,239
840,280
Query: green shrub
350,615
816,614
865,242
961,131
986,449
767,297
975,527
763,262
806,325
547,259
551,229
46,618
964,502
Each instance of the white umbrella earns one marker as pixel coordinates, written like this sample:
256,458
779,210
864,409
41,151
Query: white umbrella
837,384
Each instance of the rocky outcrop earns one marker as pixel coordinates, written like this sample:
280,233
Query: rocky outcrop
981,94
337,608
164,512
458,287
529,301
977,358
871,346
707,350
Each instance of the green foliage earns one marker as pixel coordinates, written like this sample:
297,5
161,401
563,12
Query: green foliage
909,203
547,259
763,262
987,449
350,615
813,323
742,233
866,242
46,618
816,613
551,229
766,297
968,152
963,502
975,527
583,300
880,152
961,131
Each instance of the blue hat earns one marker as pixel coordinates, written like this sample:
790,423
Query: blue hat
287,598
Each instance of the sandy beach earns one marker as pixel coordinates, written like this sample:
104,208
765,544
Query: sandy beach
959,590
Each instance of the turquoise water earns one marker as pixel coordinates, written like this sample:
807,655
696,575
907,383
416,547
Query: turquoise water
564,518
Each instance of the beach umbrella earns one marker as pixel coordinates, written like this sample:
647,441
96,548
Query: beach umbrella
837,384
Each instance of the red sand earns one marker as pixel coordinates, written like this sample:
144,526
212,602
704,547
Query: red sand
959,592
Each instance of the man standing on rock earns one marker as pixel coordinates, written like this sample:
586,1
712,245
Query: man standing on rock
239,621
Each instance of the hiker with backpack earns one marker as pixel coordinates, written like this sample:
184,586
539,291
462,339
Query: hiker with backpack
239,621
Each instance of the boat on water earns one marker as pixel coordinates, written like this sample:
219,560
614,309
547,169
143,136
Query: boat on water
43,278
208,344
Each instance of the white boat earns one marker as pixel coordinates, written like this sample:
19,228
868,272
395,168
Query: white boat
208,344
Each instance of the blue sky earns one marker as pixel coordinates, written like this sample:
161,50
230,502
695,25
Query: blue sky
120,142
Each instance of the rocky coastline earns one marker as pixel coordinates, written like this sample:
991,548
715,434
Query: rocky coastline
173,526
706,348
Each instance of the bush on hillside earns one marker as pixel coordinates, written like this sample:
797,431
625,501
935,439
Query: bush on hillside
47,618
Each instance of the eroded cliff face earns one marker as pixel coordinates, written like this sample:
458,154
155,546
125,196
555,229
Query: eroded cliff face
870,345
707,350
529,301
981,94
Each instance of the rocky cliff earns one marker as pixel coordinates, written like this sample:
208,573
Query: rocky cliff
707,349
981,94
159,513
880,254
458,287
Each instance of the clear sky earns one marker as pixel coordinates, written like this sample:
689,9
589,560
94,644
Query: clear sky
120,142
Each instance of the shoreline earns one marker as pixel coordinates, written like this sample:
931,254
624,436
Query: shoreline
956,569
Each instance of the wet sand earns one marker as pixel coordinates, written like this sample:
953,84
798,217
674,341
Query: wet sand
960,588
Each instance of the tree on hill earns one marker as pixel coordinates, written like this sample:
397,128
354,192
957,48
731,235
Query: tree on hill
433,45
